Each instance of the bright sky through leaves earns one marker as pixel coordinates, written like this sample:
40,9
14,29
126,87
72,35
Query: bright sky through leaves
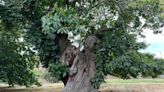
155,42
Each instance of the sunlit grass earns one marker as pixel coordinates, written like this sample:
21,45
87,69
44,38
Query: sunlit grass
133,85
161,1
162,4
135,81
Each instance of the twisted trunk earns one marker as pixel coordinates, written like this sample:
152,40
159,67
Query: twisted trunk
81,66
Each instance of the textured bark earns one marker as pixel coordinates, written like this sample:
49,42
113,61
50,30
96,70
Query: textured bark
81,66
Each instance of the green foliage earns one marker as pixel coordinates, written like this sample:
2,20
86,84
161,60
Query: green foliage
16,59
116,23
118,56
62,20
58,70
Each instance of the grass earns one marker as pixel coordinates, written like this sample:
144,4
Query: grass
135,81
133,85
162,4
113,85
161,1
133,88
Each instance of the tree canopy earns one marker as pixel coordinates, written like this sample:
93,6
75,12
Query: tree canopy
41,23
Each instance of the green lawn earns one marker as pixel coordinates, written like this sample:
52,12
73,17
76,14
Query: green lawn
133,85
161,1
135,81
162,4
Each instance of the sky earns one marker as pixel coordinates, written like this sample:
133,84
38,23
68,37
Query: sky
155,43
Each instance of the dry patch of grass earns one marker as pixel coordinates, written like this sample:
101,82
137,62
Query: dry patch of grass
114,85
57,87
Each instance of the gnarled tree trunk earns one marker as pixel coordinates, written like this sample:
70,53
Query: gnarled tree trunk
81,66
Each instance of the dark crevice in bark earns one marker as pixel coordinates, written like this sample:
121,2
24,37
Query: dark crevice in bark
64,79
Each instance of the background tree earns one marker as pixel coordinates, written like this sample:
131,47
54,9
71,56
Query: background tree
16,57
82,41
